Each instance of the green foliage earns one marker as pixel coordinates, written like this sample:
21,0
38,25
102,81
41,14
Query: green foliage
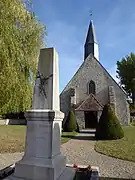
126,74
66,136
70,124
133,123
21,37
109,126
131,106
121,148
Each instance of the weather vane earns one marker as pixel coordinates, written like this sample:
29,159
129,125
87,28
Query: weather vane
91,13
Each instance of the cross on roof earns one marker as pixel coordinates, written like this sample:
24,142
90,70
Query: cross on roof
91,13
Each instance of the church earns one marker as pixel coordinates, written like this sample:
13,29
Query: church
91,88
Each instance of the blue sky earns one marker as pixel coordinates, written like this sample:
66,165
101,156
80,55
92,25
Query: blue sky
67,24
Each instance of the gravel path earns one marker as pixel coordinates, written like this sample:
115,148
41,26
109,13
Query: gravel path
9,158
80,150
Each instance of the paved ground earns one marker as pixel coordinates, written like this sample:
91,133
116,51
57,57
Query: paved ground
80,150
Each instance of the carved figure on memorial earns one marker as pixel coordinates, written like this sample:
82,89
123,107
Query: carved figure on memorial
43,81
40,94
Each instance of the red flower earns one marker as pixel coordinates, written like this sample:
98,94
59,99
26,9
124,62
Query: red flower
75,166
89,168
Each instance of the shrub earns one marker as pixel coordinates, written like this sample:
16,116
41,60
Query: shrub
133,123
70,124
131,106
109,126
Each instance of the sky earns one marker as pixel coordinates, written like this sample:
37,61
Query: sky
67,24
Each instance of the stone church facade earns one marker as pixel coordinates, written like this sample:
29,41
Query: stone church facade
91,88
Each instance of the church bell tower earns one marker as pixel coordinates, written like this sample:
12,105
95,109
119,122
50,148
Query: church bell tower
91,44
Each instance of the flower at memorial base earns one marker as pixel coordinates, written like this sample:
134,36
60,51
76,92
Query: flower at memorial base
89,168
88,172
75,166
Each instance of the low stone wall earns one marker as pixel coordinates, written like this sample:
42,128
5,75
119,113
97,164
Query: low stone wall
3,121
13,121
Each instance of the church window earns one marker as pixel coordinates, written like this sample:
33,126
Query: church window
92,87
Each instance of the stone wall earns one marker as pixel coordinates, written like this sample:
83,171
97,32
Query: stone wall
80,117
99,114
112,98
122,106
13,122
91,69
65,103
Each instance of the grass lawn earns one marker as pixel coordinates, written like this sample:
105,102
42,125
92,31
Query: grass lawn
66,136
123,148
12,138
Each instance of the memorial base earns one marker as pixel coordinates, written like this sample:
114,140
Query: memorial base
42,159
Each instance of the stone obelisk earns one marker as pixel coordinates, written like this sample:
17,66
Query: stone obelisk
42,159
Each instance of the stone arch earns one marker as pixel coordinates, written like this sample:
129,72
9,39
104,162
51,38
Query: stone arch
91,87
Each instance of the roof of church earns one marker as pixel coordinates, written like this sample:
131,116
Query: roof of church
91,38
90,104
111,77
81,66
91,35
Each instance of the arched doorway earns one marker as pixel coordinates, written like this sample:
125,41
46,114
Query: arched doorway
91,119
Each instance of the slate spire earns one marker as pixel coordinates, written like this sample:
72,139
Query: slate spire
91,44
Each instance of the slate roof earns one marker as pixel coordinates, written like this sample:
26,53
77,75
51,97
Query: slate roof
82,65
90,104
91,35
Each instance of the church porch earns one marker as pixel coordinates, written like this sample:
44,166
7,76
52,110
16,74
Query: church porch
87,119
88,112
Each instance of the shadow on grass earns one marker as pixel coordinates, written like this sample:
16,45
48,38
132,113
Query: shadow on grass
84,134
79,137
88,131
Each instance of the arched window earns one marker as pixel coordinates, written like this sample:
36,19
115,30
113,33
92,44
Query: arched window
91,87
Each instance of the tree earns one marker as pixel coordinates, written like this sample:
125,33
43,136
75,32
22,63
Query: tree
21,37
126,74
109,126
70,124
